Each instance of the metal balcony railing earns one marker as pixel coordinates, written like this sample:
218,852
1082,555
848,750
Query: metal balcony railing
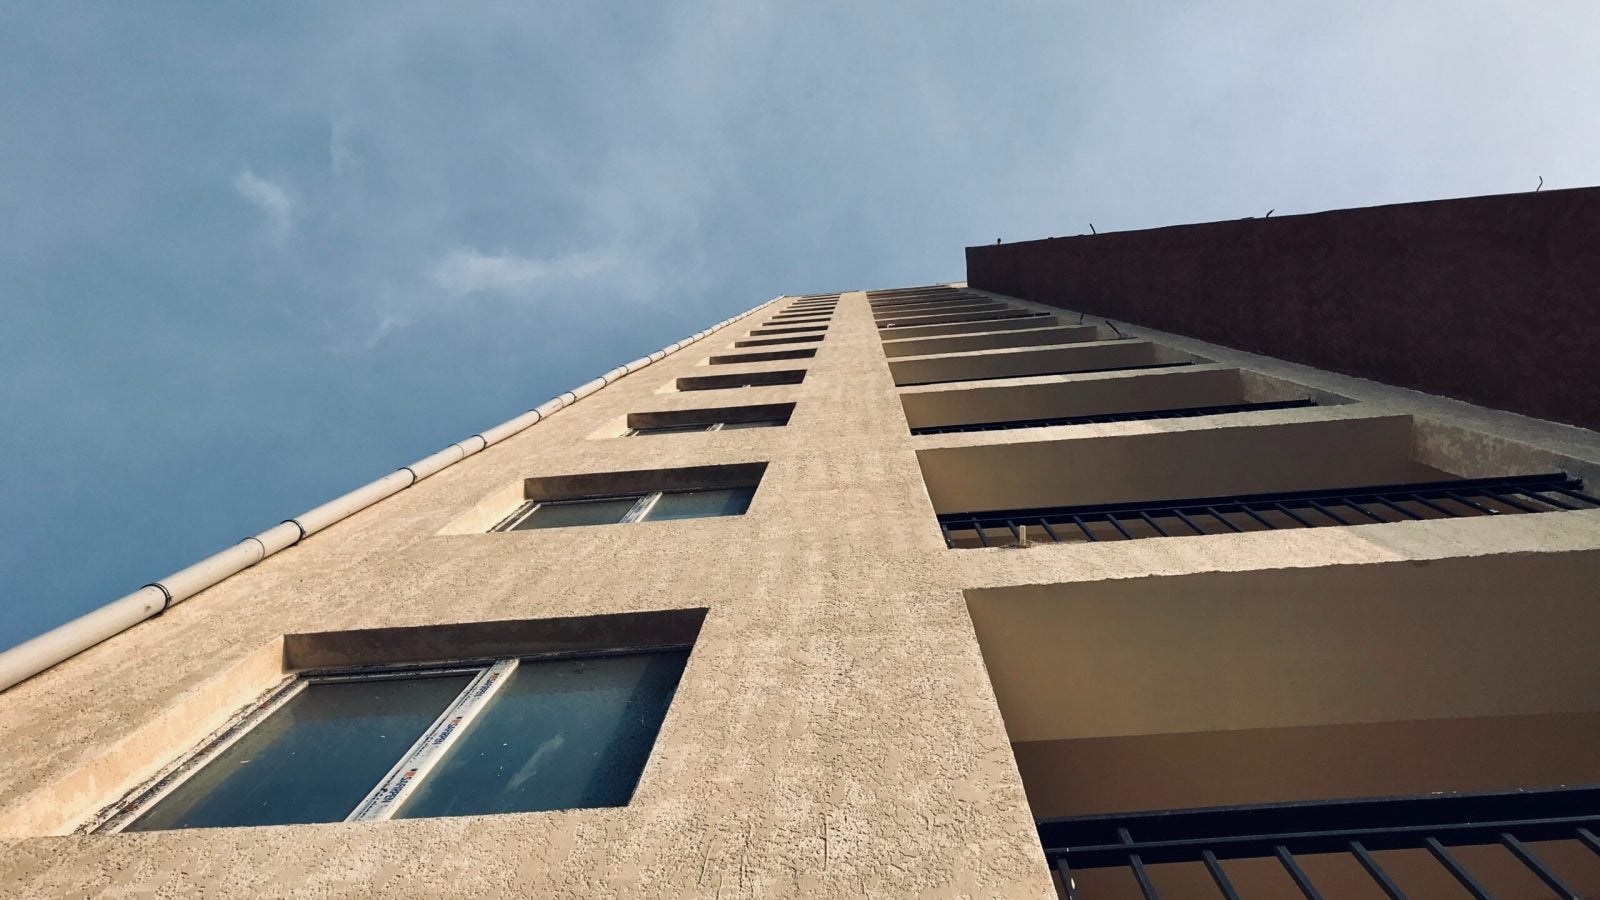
1459,498
1189,412
1162,365
1360,828
912,323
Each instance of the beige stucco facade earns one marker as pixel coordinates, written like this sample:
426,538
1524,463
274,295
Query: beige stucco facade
841,729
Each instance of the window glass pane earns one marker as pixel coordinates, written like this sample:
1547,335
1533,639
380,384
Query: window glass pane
560,734
670,429
699,504
577,512
758,423
312,760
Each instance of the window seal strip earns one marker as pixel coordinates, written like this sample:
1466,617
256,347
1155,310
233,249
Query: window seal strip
413,768
641,509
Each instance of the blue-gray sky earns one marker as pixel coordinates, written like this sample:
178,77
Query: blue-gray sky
253,255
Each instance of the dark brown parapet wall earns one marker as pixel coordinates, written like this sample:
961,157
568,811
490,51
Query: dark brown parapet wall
1493,300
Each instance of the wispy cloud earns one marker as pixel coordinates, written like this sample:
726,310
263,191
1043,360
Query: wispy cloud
468,270
267,196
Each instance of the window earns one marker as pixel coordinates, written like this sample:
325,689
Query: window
656,506
747,380
719,418
671,429
713,426
505,735
610,498
762,356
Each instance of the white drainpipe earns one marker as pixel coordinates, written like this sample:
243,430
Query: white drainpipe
32,657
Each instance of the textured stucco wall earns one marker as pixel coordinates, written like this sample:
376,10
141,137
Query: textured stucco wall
1494,300
835,733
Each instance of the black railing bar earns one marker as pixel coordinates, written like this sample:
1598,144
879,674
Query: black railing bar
1327,512
1376,871
1528,858
1223,519
1458,870
1295,873
1152,523
945,530
1355,504
1050,531
1589,840
1418,498
1118,526
1380,838
1016,534
983,536
1141,366
1540,496
1404,491
1084,528
1292,514
1397,507
1189,522
1137,864
1477,806
1456,496
1252,514
1065,871
1219,876
1510,501
1577,496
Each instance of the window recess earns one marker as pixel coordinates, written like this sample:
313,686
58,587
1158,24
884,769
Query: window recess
714,426
728,418
719,418
508,734
747,380
656,506
761,356
770,342
610,498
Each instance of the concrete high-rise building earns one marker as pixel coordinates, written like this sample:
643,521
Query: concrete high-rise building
1254,559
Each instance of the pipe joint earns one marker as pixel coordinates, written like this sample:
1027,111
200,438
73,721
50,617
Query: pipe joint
166,597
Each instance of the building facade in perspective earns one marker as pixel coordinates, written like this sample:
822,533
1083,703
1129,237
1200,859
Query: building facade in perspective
1028,586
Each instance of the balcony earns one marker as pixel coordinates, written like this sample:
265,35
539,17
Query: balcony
1517,840
909,315
1098,356
999,340
1208,481
997,313
1006,322
1238,513
1179,392
1254,716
